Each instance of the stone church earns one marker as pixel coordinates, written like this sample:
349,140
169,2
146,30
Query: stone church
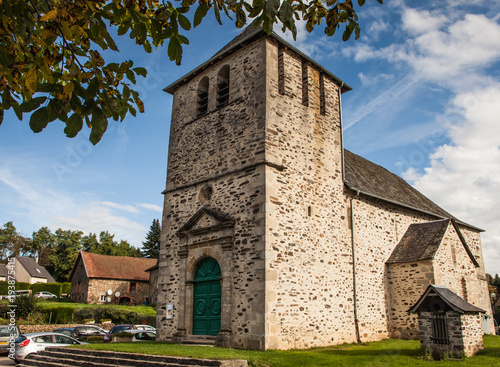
275,236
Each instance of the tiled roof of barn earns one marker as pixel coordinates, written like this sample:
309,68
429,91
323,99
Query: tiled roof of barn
116,267
373,180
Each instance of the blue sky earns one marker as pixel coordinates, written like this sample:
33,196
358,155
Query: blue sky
425,105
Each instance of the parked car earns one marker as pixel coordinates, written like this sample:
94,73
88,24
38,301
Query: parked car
141,335
45,295
66,331
7,333
27,344
117,329
145,327
85,331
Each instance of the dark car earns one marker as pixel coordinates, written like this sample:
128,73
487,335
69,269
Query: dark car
85,331
117,329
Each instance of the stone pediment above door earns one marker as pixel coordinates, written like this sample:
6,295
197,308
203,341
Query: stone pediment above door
205,220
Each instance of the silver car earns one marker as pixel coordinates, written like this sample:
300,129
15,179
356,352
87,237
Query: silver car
28,344
8,333
145,327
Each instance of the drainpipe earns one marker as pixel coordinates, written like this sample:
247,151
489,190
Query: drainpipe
355,300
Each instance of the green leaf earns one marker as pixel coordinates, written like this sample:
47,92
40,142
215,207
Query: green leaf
140,71
183,39
93,88
361,2
39,119
175,50
200,13
1,116
286,12
184,22
32,104
147,47
131,76
73,125
99,125
271,8
122,30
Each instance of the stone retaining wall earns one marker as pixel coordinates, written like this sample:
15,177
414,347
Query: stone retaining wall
26,329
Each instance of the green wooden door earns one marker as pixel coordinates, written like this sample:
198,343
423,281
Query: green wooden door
207,298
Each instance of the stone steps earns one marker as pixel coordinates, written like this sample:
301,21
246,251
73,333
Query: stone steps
58,357
198,339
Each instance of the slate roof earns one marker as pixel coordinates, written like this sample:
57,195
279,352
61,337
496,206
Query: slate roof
33,269
115,267
249,34
373,180
420,242
451,299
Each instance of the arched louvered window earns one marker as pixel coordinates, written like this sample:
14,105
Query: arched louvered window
223,86
202,105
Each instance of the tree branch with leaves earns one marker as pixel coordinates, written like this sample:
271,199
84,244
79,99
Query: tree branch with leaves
50,50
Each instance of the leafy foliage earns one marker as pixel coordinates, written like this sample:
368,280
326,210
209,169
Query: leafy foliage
151,247
26,304
50,50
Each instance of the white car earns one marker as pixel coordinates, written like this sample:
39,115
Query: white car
28,344
142,335
45,295
145,327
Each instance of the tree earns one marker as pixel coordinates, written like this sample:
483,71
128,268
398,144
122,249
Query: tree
50,50
65,252
106,245
12,243
43,242
151,247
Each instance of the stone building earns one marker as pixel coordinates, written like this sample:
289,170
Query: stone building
110,279
275,236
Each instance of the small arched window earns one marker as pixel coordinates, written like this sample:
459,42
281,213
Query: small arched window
202,105
223,86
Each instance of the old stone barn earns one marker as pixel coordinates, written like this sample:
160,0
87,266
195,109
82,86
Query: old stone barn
275,236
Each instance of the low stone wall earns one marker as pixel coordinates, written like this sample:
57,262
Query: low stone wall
26,329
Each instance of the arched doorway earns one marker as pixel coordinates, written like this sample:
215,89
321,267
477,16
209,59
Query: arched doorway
207,298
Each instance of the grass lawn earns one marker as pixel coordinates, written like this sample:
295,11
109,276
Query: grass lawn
386,353
141,310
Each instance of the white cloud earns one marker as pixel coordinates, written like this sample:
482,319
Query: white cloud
27,199
441,50
152,207
371,79
464,176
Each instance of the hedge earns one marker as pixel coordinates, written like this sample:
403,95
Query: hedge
55,288
4,287
58,314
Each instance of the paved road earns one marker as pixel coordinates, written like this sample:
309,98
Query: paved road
4,361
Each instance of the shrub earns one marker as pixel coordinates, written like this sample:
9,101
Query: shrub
84,313
66,288
26,304
22,286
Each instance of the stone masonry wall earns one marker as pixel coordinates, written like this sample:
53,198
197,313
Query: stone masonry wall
224,151
308,301
465,335
99,287
406,283
79,283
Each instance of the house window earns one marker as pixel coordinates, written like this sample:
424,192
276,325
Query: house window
464,289
223,86
281,71
133,287
202,105
322,102
102,298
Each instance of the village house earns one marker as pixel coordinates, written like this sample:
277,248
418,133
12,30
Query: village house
110,279
276,237
26,269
